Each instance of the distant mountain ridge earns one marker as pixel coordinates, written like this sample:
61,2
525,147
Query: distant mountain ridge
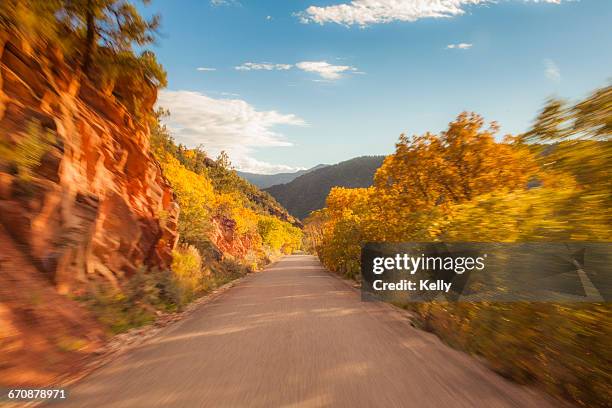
308,192
268,180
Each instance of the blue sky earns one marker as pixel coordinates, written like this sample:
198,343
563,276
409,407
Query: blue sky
290,84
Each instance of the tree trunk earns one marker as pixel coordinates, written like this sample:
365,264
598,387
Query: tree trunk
90,38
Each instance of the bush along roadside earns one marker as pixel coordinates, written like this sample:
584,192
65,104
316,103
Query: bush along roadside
153,293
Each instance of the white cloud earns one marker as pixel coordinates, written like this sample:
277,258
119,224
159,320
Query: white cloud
366,12
254,66
552,71
206,69
252,165
325,69
218,3
232,125
460,46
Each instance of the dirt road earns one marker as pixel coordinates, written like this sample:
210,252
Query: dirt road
296,336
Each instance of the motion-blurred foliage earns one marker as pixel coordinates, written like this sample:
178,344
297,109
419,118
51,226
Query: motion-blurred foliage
551,184
99,38
23,155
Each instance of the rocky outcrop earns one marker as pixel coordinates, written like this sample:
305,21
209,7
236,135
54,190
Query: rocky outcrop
81,198
226,239
97,204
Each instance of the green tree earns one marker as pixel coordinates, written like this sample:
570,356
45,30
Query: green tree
590,118
593,116
114,24
551,122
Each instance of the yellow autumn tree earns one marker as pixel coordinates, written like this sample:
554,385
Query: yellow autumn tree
553,183
195,196
279,236
417,187
455,166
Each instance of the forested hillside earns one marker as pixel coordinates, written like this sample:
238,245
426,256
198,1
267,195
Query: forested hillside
308,192
551,184
269,180
220,212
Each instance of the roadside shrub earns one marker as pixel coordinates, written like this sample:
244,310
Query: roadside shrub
563,347
135,304
188,272
157,288
229,269
116,310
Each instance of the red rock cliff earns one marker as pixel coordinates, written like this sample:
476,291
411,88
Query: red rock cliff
98,204
94,207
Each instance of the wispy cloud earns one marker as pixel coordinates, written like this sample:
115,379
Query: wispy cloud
206,69
266,66
367,12
325,69
232,125
218,3
460,46
552,71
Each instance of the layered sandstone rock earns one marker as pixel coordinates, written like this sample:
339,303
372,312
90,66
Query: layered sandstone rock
93,205
226,239
97,205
